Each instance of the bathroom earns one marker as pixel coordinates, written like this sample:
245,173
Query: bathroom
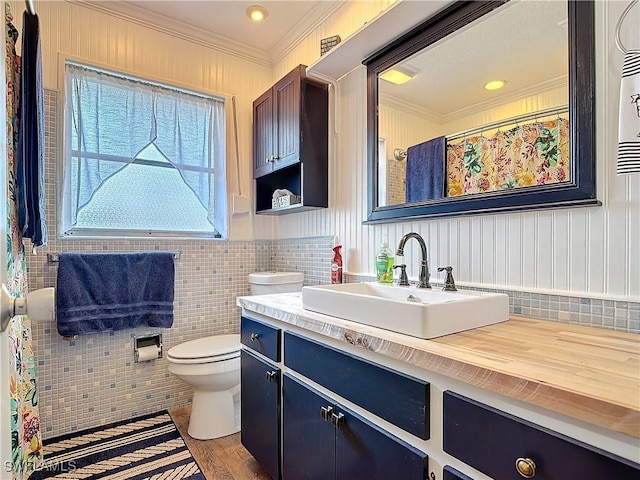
587,255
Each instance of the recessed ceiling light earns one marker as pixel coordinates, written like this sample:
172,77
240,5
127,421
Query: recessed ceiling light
495,84
398,75
257,13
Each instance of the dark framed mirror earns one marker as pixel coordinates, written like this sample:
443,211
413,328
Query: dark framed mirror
441,144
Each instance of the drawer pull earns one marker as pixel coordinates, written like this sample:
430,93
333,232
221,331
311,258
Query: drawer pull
272,375
325,413
254,337
526,467
337,419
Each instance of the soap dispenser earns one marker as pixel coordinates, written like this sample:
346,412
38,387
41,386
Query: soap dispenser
384,262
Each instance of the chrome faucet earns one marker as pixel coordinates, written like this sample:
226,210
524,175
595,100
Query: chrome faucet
424,266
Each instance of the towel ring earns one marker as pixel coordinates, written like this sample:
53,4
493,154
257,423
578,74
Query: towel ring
619,44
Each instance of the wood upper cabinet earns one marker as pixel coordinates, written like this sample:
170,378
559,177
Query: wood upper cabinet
263,124
276,124
290,141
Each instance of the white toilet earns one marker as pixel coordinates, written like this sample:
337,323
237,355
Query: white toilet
212,366
262,283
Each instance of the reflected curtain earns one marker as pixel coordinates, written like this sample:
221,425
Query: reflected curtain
26,438
532,154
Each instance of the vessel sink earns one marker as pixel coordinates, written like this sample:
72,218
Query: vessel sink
422,313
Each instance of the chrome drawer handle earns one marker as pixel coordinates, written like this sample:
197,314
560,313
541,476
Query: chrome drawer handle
337,419
526,467
271,376
325,413
254,337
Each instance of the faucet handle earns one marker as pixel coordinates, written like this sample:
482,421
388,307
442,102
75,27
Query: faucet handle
449,283
404,280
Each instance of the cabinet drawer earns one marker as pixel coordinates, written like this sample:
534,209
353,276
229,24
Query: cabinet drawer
260,337
398,398
492,441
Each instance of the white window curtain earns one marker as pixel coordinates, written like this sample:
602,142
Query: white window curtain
113,118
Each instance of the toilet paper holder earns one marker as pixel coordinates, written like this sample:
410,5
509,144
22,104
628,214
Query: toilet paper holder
143,343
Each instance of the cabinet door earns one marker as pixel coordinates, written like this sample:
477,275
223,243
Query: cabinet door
260,411
364,451
308,440
287,101
263,132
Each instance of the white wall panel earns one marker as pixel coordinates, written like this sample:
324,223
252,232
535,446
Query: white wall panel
560,259
578,250
586,250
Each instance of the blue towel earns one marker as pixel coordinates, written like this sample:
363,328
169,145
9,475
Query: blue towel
99,292
425,170
30,199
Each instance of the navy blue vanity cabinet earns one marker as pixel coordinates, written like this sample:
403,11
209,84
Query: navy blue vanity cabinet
506,447
323,440
394,396
260,411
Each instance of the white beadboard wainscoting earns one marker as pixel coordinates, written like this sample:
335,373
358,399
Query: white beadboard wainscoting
589,251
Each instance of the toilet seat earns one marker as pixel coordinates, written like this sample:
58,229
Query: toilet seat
216,348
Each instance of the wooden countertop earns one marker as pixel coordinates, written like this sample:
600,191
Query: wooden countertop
586,373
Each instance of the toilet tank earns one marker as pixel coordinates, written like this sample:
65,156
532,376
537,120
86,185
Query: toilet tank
262,283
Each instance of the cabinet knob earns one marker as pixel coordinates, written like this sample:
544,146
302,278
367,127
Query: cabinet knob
325,413
270,159
254,337
337,419
271,376
526,467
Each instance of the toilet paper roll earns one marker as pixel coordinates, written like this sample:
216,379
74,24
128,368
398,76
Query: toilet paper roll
147,353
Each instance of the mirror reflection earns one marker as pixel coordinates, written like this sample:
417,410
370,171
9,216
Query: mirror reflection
445,131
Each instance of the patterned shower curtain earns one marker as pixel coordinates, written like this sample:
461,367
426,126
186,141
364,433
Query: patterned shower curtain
526,155
26,438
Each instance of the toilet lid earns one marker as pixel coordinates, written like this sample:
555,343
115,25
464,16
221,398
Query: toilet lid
216,345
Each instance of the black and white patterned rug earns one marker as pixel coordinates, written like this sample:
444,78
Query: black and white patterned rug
147,447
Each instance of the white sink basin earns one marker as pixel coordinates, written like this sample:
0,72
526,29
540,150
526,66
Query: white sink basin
419,312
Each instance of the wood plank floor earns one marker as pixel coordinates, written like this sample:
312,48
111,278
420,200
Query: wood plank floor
221,458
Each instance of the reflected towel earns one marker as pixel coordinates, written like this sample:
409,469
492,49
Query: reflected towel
99,292
425,170
629,124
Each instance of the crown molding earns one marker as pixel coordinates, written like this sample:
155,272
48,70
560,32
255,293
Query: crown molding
408,107
305,27
175,28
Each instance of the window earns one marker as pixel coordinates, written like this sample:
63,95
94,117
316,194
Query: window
140,158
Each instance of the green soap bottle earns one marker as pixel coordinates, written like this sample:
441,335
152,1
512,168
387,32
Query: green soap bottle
384,262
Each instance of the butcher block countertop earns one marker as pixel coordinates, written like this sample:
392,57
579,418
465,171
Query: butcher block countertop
586,373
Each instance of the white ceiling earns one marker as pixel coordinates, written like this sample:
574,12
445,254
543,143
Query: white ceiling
522,42
225,22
